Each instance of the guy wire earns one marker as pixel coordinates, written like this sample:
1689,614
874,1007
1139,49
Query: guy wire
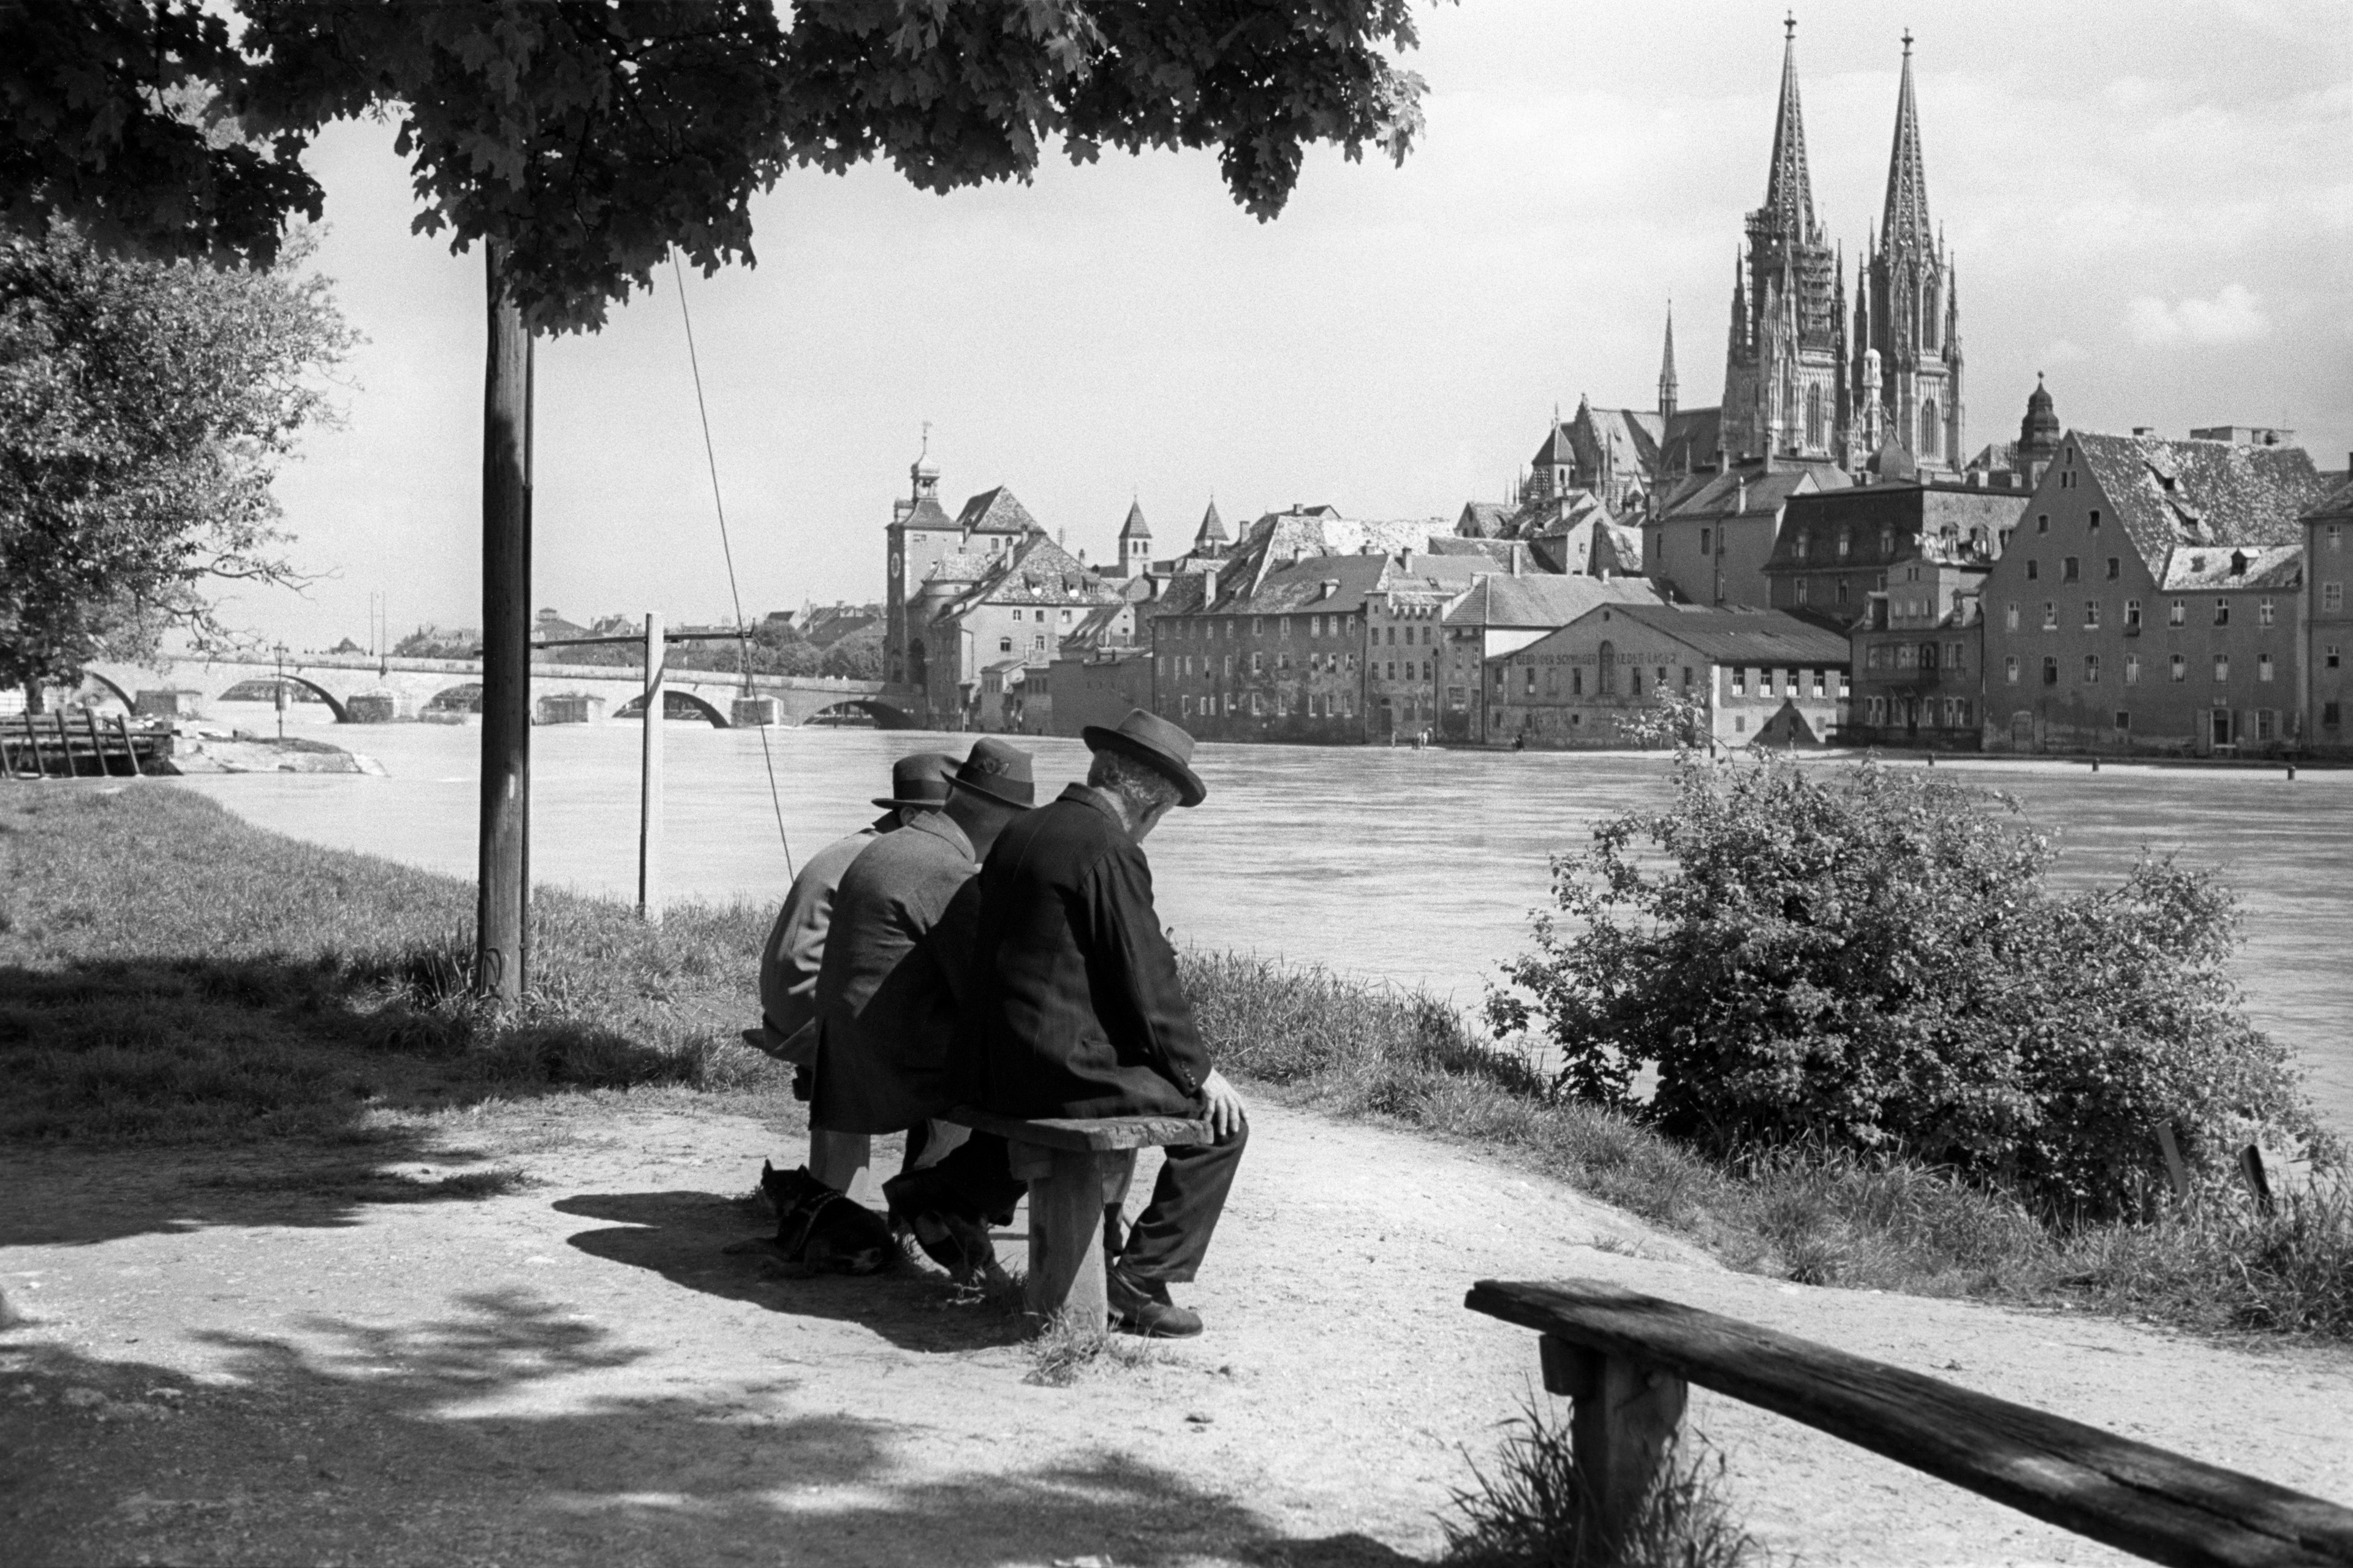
727,552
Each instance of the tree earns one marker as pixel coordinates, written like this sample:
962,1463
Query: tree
578,140
1869,960
144,408
858,657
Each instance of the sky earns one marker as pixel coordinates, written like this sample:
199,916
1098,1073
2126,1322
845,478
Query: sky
2151,203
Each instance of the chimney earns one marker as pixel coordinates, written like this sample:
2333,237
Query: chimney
1740,496
1209,587
1516,558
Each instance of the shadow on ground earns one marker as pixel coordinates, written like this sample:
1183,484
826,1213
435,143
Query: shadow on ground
486,1437
683,1238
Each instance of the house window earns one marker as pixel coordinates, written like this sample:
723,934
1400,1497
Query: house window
1802,546
2010,670
2329,714
1687,674
1846,543
1702,541
1185,707
2267,723
2091,669
2116,568
2042,522
2050,670
1739,682
2091,615
1258,663
2332,596
2221,612
1801,590
1577,683
1821,680
2009,617
2132,669
2095,519
2180,668
2265,612
2123,722
1005,645
1017,615
2132,614
1842,589
2263,667
2050,614
2329,657
1634,681
2222,667
2033,571
2067,569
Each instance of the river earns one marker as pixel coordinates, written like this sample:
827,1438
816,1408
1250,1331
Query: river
1418,868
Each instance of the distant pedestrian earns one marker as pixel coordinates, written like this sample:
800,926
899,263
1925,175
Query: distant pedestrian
1079,1009
886,1003
796,946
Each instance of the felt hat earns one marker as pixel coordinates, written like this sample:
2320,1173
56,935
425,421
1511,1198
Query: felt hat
999,771
1155,742
920,778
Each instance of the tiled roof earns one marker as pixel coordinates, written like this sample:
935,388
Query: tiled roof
1320,584
2337,506
1545,600
927,514
1734,634
1482,520
997,511
1213,527
1037,573
2235,566
1134,527
2174,494
1707,496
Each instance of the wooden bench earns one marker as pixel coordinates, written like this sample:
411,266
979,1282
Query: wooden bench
1626,1359
1075,1167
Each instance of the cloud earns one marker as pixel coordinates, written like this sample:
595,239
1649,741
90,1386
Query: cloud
2232,316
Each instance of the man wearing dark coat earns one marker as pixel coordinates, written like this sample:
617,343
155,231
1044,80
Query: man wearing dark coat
795,949
1077,1010
886,1008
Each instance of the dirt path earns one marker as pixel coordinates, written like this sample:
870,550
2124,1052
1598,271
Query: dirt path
212,1363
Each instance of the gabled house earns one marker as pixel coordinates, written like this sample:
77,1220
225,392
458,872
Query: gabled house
1708,539
1503,612
2149,601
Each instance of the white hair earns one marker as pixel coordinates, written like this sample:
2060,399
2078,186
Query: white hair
1141,785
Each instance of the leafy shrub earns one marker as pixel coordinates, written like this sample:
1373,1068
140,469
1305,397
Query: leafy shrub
1868,960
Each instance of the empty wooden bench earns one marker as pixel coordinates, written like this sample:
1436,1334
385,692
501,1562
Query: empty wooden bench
1626,1360
1075,1166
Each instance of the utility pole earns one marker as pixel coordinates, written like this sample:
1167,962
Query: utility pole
649,779
503,888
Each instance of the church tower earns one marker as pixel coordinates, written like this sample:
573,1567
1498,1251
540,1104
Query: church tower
1667,369
1907,372
1134,544
1785,378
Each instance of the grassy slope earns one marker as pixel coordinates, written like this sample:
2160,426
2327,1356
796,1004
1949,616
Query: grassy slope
171,974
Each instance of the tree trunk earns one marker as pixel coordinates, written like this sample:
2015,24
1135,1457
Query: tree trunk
33,696
506,648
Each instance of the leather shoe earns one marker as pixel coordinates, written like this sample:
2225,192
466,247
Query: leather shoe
1142,1307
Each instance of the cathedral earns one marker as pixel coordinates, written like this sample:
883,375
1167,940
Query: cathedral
1797,385
1877,392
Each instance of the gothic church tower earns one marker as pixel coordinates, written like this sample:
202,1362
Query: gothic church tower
1908,317
1785,375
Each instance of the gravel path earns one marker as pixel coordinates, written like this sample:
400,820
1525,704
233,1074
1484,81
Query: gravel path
208,1361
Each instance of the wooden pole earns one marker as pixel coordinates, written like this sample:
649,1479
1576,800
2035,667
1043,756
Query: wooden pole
97,742
506,648
649,780
65,749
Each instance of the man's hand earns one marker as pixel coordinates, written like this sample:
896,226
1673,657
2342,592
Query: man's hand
1226,1111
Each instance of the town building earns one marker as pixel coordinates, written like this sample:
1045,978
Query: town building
1710,537
1134,544
1102,670
1627,675
976,599
2328,700
1279,658
1501,612
2147,601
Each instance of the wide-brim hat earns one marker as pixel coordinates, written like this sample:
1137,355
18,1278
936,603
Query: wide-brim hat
919,779
1155,742
997,772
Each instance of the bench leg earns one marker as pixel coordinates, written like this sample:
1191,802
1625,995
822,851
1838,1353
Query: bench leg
1625,1419
1066,1231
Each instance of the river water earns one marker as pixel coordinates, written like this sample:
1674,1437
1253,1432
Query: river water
1418,868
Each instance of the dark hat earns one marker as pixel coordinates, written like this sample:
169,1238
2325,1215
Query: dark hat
999,771
920,778
1155,742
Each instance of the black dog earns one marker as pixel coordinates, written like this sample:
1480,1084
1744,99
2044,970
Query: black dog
824,1228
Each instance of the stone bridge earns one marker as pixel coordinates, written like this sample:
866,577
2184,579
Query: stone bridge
404,688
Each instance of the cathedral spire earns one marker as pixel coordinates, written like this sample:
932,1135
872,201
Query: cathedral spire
1905,221
1788,189
1667,369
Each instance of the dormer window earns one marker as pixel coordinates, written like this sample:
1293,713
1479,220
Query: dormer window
2237,564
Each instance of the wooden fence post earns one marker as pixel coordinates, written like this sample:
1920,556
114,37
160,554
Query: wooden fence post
1624,1421
2174,1167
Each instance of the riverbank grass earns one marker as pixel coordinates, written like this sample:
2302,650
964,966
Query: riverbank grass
172,976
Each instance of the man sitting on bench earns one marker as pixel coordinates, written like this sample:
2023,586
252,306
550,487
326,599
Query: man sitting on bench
1077,1011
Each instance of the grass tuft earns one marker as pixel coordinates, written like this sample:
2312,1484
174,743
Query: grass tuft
1533,1509
1064,1348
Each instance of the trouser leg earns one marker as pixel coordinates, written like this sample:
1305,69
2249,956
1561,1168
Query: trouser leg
1169,1237
839,1160
976,1180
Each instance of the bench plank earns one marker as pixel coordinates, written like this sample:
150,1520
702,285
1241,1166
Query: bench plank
1098,1134
2143,1499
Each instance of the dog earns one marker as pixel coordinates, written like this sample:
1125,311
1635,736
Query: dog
823,1228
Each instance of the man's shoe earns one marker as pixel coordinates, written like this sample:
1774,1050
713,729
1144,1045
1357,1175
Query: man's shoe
957,1243
1142,1307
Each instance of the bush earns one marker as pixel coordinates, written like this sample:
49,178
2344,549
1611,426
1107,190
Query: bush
1868,960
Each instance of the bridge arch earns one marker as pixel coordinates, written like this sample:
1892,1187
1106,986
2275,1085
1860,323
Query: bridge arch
886,716
335,703
673,699
91,677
